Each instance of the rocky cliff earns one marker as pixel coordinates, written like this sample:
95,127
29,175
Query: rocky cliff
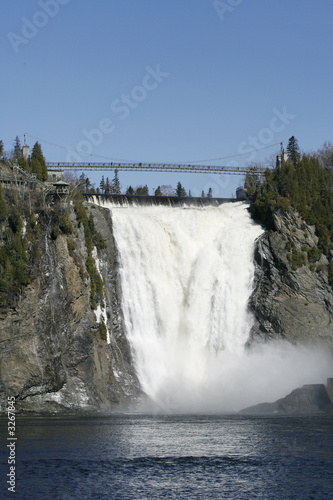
52,356
292,299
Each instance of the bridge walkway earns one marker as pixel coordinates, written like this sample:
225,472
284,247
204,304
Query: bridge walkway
154,167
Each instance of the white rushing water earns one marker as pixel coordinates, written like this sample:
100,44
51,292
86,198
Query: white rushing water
186,277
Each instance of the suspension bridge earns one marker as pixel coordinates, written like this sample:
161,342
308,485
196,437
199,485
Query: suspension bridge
154,167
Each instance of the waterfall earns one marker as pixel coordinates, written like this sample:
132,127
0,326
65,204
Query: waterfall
186,277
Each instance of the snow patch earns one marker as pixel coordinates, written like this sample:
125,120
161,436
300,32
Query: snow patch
24,229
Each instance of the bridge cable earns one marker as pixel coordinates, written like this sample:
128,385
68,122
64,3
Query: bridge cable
67,148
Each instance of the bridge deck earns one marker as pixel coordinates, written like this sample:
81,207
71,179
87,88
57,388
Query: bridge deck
154,167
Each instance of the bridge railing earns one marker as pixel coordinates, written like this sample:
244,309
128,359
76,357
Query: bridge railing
153,167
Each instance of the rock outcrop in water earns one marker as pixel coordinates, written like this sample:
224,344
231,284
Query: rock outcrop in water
291,301
306,400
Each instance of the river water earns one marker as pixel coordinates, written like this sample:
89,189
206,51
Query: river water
172,457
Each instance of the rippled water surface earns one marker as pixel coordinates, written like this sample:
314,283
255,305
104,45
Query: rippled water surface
172,457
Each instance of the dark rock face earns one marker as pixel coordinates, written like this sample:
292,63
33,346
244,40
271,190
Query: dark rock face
295,305
52,358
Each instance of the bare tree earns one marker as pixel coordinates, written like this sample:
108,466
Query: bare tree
325,156
167,190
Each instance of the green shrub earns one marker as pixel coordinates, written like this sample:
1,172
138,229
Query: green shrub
32,221
314,254
71,245
3,207
15,220
297,259
330,273
14,267
102,330
65,224
290,245
19,254
96,283
92,238
283,202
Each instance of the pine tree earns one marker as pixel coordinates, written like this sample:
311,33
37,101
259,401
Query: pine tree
38,164
116,183
1,148
82,178
294,154
107,187
88,186
17,153
142,190
202,194
102,185
130,191
180,191
210,193
158,191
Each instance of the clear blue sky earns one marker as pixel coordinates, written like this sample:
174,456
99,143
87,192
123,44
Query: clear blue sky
167,81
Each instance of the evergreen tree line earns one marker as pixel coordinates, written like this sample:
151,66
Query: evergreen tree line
301,182
19,252
113,187
110,187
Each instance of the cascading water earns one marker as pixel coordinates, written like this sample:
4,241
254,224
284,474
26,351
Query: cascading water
186,277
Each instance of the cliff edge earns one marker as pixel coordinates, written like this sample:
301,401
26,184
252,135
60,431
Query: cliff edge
53,357
292,299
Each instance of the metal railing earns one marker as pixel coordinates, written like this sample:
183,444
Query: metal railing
154,167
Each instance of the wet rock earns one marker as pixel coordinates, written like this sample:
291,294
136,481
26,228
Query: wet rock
52,358
293,304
